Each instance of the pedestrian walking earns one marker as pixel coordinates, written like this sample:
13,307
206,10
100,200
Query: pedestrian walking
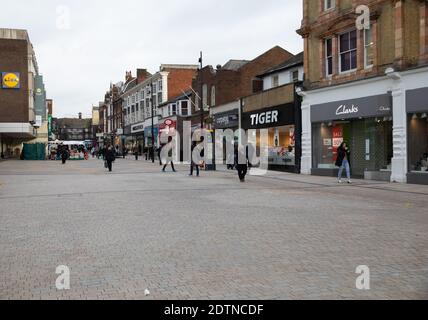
124,152
64,154
110,157
343,161
169,157
241,162
136,153
193,164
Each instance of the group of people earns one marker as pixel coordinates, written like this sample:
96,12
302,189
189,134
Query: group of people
241,160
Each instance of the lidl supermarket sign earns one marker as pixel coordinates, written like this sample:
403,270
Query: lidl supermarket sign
10,80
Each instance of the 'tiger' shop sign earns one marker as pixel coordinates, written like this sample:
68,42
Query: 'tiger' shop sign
10,80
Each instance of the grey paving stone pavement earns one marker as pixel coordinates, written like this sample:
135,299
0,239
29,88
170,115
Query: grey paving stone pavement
278,236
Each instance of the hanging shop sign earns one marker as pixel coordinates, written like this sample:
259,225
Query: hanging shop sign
11,80
374,106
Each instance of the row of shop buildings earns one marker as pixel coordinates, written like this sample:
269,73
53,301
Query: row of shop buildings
25,111
366,87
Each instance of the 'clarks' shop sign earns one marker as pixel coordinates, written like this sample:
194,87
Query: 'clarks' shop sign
374,106
268,118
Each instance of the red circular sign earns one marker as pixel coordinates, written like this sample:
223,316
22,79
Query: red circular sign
168,122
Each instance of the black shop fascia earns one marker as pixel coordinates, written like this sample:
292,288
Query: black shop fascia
283,123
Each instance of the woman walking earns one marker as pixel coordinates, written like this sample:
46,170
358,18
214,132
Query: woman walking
343,162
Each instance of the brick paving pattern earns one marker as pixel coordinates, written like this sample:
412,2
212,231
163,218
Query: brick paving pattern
278,236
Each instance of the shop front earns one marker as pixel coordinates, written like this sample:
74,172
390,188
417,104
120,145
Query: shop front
226,121
149,141
137,138
284,136
417,136
365,124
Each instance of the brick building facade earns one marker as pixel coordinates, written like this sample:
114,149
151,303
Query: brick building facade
18,68
366,87
226,84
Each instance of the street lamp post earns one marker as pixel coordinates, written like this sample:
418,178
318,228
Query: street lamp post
202,93
153,122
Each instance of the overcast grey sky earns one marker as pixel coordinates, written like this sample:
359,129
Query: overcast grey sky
82,45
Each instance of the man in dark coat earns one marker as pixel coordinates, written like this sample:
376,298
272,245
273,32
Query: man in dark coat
241,162
64,154
193,164
110,157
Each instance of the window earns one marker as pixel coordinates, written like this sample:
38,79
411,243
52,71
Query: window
184,108
294,76
275,81
329,4
160,84
368,48
348,51
197,99
205,96
160,98
213,96
137,107
329,57
154,89
173,109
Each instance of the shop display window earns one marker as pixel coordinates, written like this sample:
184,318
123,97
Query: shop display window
282,146
418,143
370,141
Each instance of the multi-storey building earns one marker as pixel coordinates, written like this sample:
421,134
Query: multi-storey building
18,69
276,109
73,129
367,87
218,90
150,92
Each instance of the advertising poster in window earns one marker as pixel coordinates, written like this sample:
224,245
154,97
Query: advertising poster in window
337,140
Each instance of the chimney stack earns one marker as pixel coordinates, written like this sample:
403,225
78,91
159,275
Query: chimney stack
128,76
142,75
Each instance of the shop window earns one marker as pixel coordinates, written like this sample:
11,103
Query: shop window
348,51
282,146
418,143
370,141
